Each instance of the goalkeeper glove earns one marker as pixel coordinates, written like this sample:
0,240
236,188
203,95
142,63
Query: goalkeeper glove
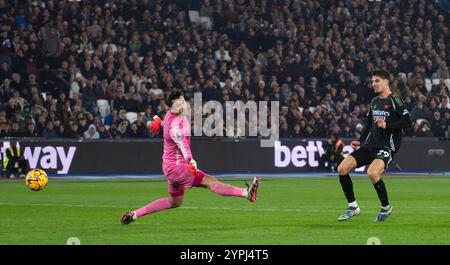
155,126
193,163
193,167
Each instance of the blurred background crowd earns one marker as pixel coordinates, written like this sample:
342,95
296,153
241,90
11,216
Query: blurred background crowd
101,68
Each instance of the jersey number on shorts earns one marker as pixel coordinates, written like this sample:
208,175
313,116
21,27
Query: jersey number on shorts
383,153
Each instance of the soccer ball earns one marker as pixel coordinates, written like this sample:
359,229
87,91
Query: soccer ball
36,179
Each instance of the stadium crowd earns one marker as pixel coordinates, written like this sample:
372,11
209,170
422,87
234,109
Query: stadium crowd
59,58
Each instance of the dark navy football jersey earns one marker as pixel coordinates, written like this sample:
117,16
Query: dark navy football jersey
393,110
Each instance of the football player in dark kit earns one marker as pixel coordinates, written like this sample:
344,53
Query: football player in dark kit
386,118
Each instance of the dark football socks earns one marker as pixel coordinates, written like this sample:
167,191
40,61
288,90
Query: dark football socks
347,187
382,193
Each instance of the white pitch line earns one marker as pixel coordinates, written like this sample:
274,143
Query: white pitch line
182,207
328,207
60,205
299,209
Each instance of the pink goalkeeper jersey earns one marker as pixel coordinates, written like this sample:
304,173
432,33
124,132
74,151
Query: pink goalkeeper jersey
177,142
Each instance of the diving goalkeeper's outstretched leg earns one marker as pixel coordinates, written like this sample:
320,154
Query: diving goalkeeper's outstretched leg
228,190
196,178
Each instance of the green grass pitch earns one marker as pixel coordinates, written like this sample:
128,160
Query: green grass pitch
294,211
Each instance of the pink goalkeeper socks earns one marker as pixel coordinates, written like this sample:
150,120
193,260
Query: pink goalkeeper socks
226,190
155,206
162,204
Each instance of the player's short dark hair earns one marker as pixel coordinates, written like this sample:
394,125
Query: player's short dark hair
381,73
172,95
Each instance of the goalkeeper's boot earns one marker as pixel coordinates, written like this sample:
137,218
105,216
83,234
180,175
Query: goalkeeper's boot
127,218
349,213
383,214
253,189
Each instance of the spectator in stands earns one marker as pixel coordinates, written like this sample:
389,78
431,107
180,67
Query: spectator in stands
73,131
438,125
420,112
111,118
447,122
31,131
91,133
49,131
133,132
114,132
424,130
51,46
103,132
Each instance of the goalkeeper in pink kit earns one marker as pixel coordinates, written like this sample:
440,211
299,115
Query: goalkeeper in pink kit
179,167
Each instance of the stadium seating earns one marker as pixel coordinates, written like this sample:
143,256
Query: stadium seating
447,83
131,116
103,107
428,84
436,82
194,16
165,45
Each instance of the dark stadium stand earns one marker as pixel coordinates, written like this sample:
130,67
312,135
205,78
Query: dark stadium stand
65,65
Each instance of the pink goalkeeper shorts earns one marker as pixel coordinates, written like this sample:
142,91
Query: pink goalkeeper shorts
182,177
